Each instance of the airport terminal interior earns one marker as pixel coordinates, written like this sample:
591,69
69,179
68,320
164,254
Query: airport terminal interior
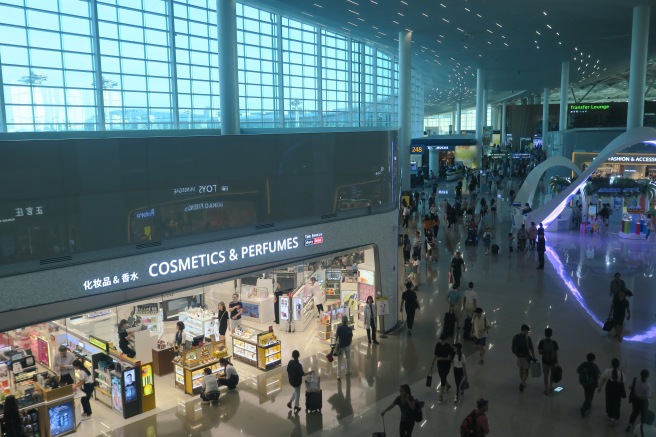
193,189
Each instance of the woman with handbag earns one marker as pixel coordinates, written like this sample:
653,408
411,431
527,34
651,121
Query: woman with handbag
639,398
613,378
459,372
222,318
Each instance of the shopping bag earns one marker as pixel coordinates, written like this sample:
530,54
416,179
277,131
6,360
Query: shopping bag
330,357
609,325
429,377
536,369
380,434
450,278
557,374
464,385
312,383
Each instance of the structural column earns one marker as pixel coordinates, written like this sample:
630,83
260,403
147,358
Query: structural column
638,67
545,118
434,160
564,98
504,109
405,76
458,118
228,79
480,113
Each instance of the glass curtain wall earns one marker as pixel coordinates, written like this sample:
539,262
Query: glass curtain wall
153,64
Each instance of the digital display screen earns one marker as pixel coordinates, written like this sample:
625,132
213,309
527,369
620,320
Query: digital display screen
147,380
250,310
61,419
130,386
117,394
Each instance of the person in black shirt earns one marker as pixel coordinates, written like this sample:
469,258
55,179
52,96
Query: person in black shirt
406,403
618,311
178,342
409,298
541,249
277,294
522,347
236,309
124,339
295,374
443,355
222,317
457,266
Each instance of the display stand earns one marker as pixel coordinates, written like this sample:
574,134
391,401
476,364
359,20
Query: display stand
189,367
257,302
303,307
99,324
57,415
163,361
198,323
260,349
144,342
329,320
333,282
152,319
634,227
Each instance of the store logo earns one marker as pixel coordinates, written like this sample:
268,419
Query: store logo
147,214
313,239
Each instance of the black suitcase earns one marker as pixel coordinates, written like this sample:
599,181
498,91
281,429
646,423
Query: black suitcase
313,401
467,329
449,326
495,249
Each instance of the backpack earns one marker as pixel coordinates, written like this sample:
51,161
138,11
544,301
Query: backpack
587,376
548,351
419,415
469,425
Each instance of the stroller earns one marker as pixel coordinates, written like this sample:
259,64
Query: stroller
472,234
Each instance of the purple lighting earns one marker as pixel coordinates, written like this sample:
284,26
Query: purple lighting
645,337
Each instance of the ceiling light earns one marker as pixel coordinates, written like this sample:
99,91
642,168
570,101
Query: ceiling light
305,13
374,2
479,15
560,43
400,14
424,15
467,9
505,44
441,4
351,1
395,22
503,36
558,33
544,12
360,19
319,6
444,19
575,49
353,12
375,27
489,30
549,26
352,24
498,24
538,32
404,3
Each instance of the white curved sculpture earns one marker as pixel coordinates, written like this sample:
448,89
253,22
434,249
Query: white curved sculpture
527,190
548,212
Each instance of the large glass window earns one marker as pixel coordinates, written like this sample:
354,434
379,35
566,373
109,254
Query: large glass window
158,69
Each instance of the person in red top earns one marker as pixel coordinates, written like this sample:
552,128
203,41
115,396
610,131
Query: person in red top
476,422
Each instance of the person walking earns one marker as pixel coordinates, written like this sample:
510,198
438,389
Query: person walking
443,356
617,285
459,371
476,424
85,383
532,235
370,319
479,330
406,216
522,236
522,347
548,348
407,248
295,374
457,267
344,335
641,391
487,239
613,378
469,300
589,378
411,304
541,248
455,298
407,405
417,245
620,310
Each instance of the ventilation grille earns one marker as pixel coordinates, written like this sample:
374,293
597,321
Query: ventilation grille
59,259
148,245
268,225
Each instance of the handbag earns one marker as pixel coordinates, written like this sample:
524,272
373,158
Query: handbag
464,385
429,377
632,391
557,374
536,369
450,278
330,357
609,325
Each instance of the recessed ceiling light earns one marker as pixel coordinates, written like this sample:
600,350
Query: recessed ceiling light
558,33
352,24
479,15
444,19
400,14
538,32
305,13
351,1
489,30
360,19
424,15
467,9
442,4
353,12
375,27
404,3
498,24
395,22
505,44
374,2
544,12
317,5
549,26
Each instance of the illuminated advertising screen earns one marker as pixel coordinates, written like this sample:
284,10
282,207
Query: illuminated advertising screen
61,418
147,380
251,310
284,308
130,386
117,394
467,156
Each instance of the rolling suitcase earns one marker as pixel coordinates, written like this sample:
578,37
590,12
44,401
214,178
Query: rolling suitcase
449,326
313,401
380,434
467,329
495,249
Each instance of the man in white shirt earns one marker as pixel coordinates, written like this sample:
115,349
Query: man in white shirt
469,300
315,289
63,366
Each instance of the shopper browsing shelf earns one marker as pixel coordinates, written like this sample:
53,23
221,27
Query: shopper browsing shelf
64,365
231,377
209,391
85,383
124,338
178,343
222,317
236,309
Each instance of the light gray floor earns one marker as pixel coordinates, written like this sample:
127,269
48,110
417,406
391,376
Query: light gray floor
570,295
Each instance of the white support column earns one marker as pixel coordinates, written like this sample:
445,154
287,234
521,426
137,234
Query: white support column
638,67
458,118
280,85
97,71
545,117
564,97
480,113
175,117
485,120
434,160
504,110
405,76
228,78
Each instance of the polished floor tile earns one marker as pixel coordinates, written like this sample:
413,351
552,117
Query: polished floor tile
571,295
